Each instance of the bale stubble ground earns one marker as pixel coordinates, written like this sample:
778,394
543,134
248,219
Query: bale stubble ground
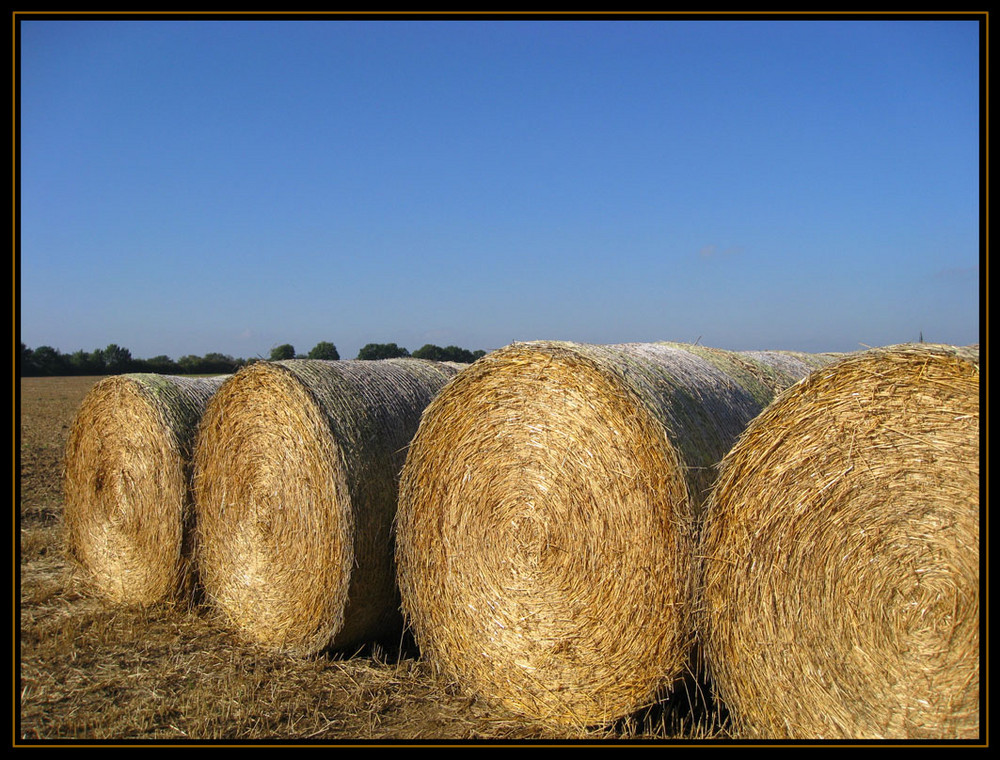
87,672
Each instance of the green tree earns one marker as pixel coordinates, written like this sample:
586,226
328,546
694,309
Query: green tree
117,360
456,354
284,351
46,360
324,350
190,364
220,364
84,363
382,351
430,352
447,354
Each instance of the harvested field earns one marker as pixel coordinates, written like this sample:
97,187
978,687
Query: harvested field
86,672
547,518
840,595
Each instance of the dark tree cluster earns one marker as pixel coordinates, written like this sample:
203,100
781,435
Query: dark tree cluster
373,351
322,350
428,351
447,354
116,360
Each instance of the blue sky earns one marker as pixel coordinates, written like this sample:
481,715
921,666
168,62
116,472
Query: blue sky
194,186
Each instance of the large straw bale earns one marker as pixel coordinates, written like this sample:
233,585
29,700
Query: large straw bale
548,504
128,506
840,591
296,474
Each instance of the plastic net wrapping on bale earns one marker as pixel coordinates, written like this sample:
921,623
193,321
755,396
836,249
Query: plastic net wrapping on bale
548,504
296,474
128,505
840,594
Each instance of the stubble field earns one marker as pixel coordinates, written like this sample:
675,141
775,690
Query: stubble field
85,672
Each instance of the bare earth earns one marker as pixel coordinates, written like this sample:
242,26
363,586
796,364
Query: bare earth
90,673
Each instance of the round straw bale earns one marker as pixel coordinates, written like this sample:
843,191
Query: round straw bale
840,588
296,474
545,532
128,507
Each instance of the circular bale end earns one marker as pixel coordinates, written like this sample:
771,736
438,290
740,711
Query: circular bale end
840,582
128,508
544,531
295,486
546,522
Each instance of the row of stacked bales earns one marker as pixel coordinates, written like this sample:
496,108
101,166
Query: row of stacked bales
286,509
548,527
548,511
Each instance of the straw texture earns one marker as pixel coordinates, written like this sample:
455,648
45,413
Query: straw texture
296,474
128,506
547,515
840,592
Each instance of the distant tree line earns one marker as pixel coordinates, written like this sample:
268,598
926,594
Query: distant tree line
117,360
427,351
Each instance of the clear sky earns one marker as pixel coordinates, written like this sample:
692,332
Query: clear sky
194,186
